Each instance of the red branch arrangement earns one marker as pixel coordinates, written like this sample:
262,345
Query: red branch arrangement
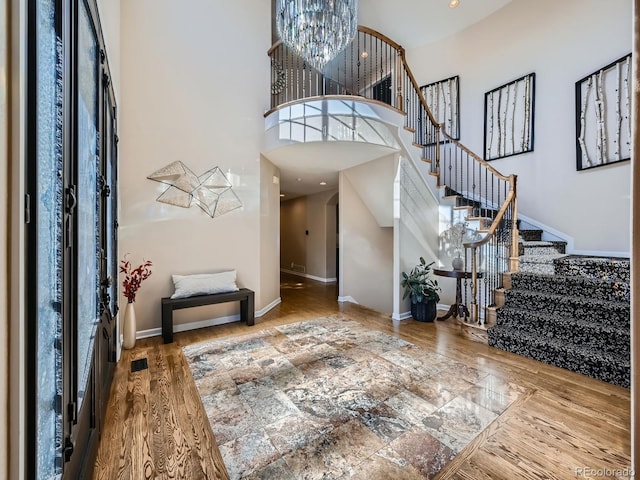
133,278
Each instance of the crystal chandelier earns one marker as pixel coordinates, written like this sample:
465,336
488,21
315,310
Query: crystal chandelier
318,30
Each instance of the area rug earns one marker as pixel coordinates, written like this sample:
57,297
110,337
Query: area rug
329,398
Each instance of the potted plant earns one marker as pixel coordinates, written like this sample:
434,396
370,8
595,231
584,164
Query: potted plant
423,291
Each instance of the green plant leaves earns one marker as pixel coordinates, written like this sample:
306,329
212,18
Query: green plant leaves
419,285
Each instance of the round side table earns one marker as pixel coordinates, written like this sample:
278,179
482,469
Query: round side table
458,308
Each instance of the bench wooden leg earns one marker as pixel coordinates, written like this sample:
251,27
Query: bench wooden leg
167,323
247,309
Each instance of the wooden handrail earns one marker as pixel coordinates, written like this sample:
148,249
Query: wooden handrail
274,47
494,226
423,100
381,36
476,157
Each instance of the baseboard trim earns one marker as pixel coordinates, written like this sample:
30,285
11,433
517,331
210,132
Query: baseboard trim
183,327
550,230
406,315
599,253
348,298
212,322
402,316
272,305
570,241
441,306
311,277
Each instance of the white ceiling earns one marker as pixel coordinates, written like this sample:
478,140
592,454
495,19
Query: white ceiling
414,23
303,166
411,23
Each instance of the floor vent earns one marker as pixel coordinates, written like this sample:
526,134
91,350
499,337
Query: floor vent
140,364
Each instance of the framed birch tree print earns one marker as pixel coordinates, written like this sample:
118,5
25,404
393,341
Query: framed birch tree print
443,100
603,115
509,118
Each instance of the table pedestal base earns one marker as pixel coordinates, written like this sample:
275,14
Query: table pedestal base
457,309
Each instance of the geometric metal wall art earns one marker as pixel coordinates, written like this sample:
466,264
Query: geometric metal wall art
603,115
210,191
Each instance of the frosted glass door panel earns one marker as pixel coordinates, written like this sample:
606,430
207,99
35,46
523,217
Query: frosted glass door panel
49,246
88,200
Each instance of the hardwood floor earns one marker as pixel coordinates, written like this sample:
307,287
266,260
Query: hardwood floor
156,426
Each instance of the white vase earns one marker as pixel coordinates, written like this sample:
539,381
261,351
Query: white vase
457,263
129,327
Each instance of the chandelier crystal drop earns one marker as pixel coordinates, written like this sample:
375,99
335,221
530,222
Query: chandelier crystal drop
318,30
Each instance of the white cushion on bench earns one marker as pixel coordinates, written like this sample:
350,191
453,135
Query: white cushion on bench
204,284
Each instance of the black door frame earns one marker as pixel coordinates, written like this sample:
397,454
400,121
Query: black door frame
80,429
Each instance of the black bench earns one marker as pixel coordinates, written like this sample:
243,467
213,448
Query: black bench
244,296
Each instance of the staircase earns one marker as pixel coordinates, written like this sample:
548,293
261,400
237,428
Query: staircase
569,311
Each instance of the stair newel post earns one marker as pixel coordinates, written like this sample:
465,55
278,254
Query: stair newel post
438,143
514,260
399,70
474,285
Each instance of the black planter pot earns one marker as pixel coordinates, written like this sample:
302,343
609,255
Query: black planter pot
424,312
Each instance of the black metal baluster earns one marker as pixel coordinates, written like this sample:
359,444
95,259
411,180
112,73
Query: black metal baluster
446,166
391,57
358,65
486,183
467,189
297,86
377,42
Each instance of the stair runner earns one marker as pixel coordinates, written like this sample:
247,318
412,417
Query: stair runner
569,311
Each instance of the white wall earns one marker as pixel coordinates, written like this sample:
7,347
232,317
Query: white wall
194,85
313,214
269,233
374,183
416,220
366,252
561,42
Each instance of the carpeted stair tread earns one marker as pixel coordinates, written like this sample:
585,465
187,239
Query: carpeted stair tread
546,259
615,269
541,247
537,243
602,289
591,309
609,367
526,318
543,264
530,234
599,335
